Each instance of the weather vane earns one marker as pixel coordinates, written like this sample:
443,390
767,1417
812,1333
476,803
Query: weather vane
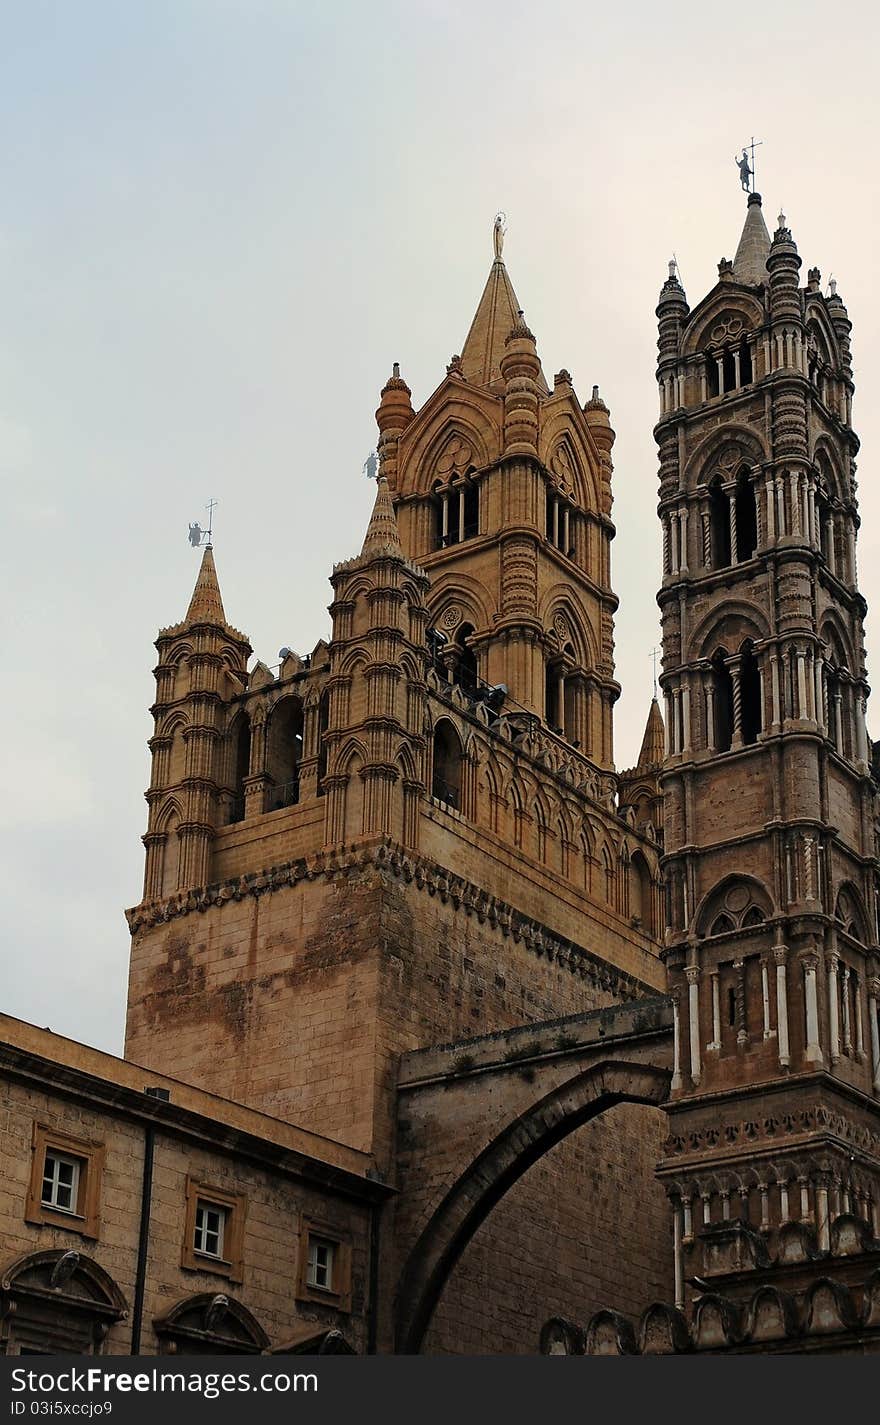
746,169
197,534
653,655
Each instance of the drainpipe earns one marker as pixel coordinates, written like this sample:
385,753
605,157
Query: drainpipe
143,1241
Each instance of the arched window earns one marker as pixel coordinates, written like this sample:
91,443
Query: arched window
723,685
753,916
719,519
750,691
171,856
712,385
240,752
746,517
323,724
721,925
446,778
641,893
463,660
284,744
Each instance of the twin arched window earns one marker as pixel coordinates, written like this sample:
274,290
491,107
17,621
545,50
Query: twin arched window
733,520
456,513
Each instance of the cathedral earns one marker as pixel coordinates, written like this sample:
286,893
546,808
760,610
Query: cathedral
445,1034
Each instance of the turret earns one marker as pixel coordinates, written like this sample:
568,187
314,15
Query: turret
202,662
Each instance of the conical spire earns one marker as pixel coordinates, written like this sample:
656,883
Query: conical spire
496,316
750,262
382,536
206,605
654,740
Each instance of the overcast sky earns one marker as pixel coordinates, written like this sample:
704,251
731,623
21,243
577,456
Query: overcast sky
221,221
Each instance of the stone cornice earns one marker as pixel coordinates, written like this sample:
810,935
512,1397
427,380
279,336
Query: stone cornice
386,856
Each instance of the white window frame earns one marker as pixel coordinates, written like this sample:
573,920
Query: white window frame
52,1176
317,1267
202,1230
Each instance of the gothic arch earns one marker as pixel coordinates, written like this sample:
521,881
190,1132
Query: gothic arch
495,1170
723,305
731,625
734,899
454,589
565,429
455,409
836,638
170,811
832,482
557,603
738,442
849,910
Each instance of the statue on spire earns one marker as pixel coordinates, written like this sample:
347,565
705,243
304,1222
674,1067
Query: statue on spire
745,171
498,233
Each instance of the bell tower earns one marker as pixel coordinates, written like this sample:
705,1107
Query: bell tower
502,492
769,803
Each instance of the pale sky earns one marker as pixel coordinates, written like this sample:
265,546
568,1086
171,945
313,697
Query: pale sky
221,221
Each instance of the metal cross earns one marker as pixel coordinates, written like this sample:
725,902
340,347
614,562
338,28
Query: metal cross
210,507
654,655
755,143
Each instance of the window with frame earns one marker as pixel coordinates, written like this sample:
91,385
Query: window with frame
65,1184
213,1237
324,1273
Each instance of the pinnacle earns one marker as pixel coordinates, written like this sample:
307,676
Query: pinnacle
498,314
750,262
206,604
654,740
382,536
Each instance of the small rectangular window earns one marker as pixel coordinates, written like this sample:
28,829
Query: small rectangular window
210,1229
322,1254
61,1176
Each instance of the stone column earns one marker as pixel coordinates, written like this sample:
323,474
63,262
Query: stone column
731,497
780,955
683,516
675,1085
716,1012
710,714
873,996
734,666
823,1223
742,1034
676,1252
860,1032
813,1051
706,533
833,964
770,504
765,997
693,978
686,714
847,1018
801,683
774,688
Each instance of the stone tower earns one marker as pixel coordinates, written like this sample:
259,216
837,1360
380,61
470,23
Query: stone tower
412,836
769,804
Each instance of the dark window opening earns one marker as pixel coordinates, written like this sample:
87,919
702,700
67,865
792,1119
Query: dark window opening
241,761
471,497
729,370
745,364
712,376
723,684
746,517
446,780
464,665
719,518
284,753
731,1008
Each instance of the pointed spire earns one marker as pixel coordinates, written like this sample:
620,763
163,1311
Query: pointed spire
382,536
497,314
750,262
654,740
206,605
